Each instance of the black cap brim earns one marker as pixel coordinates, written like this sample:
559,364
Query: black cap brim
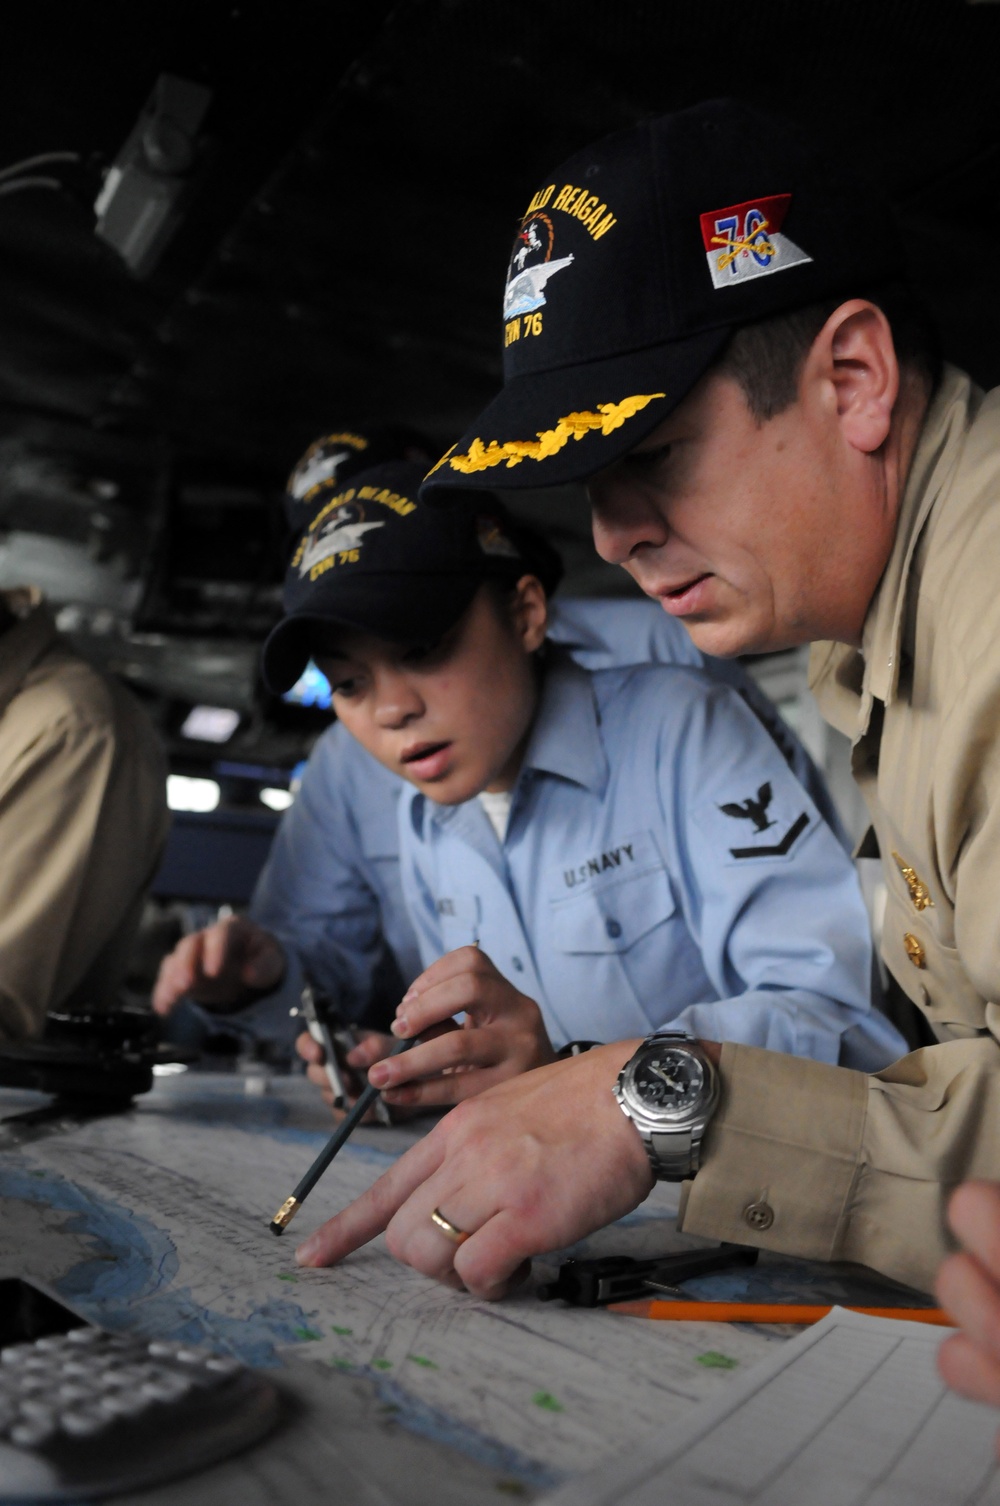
399,607
553,427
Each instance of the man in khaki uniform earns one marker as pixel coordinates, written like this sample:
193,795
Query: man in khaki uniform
83,820
774,453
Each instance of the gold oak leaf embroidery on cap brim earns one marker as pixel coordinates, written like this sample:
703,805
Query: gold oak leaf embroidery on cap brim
482,457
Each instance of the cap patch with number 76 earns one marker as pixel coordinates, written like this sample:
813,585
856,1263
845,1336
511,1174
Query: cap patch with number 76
746,241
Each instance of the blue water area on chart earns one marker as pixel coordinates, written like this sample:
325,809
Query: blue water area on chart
127,1282
436,1425
126,1285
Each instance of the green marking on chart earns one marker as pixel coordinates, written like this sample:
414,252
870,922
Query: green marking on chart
420,1359
286,1276
339,1364
342,1331
306,1333
713,1360
512,1487
547,1402
381,1364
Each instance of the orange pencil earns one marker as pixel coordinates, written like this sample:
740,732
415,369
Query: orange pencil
767,1312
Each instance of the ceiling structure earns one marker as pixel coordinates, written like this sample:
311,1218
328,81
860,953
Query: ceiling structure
341,251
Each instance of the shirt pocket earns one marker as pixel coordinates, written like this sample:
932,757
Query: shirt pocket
614,917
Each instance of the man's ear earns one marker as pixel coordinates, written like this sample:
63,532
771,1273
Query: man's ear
530,612
854,358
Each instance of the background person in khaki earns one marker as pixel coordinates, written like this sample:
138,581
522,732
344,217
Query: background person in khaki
83,820
773,454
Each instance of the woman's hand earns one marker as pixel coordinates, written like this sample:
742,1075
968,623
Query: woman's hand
503,1034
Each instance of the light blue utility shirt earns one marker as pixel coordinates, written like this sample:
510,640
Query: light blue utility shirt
661,865
331,888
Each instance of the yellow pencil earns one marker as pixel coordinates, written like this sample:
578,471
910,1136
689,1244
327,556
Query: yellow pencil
767,1312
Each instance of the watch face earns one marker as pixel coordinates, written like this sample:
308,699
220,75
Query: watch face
669,1081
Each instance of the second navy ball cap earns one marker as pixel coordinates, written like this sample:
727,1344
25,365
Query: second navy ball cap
376,559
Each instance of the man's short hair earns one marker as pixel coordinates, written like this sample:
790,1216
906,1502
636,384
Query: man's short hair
766,357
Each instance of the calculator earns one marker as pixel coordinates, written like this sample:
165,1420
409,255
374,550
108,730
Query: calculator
88,1413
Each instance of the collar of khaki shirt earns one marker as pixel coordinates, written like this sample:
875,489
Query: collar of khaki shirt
22,645
872,672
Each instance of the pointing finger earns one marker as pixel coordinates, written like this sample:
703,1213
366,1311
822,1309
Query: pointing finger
363,1219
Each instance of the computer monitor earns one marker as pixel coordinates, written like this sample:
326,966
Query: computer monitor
312,689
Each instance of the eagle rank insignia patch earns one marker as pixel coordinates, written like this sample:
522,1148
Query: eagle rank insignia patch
746,241
762,824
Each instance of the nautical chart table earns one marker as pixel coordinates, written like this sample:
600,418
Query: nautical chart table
398,1392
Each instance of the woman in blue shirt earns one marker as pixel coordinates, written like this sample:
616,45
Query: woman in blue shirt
583,855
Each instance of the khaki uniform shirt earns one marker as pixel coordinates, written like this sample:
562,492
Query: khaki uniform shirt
831,1164
82,824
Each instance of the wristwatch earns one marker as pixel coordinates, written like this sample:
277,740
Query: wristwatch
669,1090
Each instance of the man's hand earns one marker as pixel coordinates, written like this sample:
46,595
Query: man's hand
527,1167
503,1034
968,1288
223,967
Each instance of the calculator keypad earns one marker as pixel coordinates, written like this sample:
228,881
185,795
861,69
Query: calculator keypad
89,1380
89,1411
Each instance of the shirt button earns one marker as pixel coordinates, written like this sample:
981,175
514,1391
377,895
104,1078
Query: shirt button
613,928
914,950
759,1215
518,964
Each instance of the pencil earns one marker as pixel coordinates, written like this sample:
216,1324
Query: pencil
344,1130
768,1312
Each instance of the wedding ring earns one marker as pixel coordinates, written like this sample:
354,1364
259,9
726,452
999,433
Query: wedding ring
448,1229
